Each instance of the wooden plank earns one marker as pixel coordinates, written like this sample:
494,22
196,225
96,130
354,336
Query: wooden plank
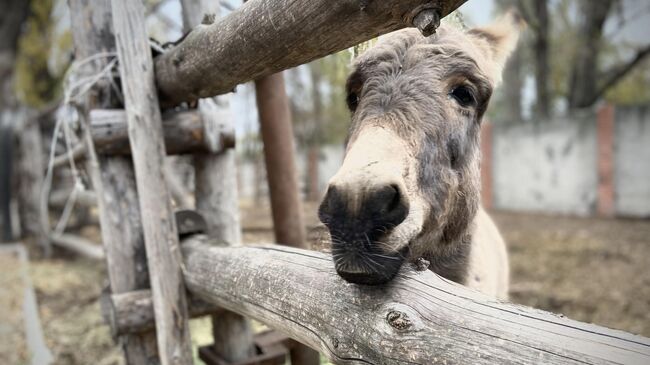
112,178
133,312
217,200
183,132
79,245
148,150
418,318
263,37
58,198
33,214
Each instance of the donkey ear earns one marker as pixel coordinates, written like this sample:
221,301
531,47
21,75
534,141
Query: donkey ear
498,40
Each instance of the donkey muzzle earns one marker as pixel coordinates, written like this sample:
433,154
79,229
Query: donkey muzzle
359,217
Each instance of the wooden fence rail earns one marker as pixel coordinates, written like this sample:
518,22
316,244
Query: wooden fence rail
263,37
419,318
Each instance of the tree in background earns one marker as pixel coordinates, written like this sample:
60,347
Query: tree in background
13,15
320,115
570,57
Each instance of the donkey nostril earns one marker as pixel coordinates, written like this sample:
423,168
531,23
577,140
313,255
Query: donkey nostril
395,201
332,201
390,203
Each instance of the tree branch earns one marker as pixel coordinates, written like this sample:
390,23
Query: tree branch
616,73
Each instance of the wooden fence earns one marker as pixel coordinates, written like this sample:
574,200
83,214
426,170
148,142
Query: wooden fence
157,284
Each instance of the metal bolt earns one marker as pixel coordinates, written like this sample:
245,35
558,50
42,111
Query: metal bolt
427,21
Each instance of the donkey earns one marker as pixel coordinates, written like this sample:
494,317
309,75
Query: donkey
408,188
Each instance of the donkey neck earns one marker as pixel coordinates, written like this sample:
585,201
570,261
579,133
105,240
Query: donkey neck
450,259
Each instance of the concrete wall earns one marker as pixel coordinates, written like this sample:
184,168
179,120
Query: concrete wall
595,163
545,167
632,161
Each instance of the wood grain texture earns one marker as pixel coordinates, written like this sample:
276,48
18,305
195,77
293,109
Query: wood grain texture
418,318
183,132
79,245
112,178
263,37
132,312
148,150
217,199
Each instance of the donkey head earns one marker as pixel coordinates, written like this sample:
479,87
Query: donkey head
409,183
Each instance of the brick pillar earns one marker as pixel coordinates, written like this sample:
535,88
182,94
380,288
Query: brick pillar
486,164
605,160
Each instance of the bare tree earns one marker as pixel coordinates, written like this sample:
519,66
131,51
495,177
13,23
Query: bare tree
11,21
587,82
536,14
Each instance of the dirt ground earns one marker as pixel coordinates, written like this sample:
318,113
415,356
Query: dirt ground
590,269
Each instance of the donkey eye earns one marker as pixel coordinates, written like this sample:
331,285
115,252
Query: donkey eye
463,96
352,100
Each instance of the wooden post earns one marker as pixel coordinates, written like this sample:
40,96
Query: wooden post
30,174
277,135
418,318
148,150
216,198
113,179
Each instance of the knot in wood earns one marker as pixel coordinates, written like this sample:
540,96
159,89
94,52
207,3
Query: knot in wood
422,264
427,21
398,320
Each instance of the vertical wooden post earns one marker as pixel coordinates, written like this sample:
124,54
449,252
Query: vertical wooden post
115,185
30,174
148,150
277,134
605,130
112,178
216,198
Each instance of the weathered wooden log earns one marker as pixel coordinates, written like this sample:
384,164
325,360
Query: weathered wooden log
263,37
31,177
216,198
132,312
112,177
79,245
77,153
58,198
148,150
418,318
183,132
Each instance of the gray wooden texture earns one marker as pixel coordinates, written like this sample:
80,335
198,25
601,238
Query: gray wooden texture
418,318
183,132
112,178
148,150
216,198
263,37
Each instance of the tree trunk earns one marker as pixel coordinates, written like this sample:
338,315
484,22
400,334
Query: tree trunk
12,17
583,82
542,71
